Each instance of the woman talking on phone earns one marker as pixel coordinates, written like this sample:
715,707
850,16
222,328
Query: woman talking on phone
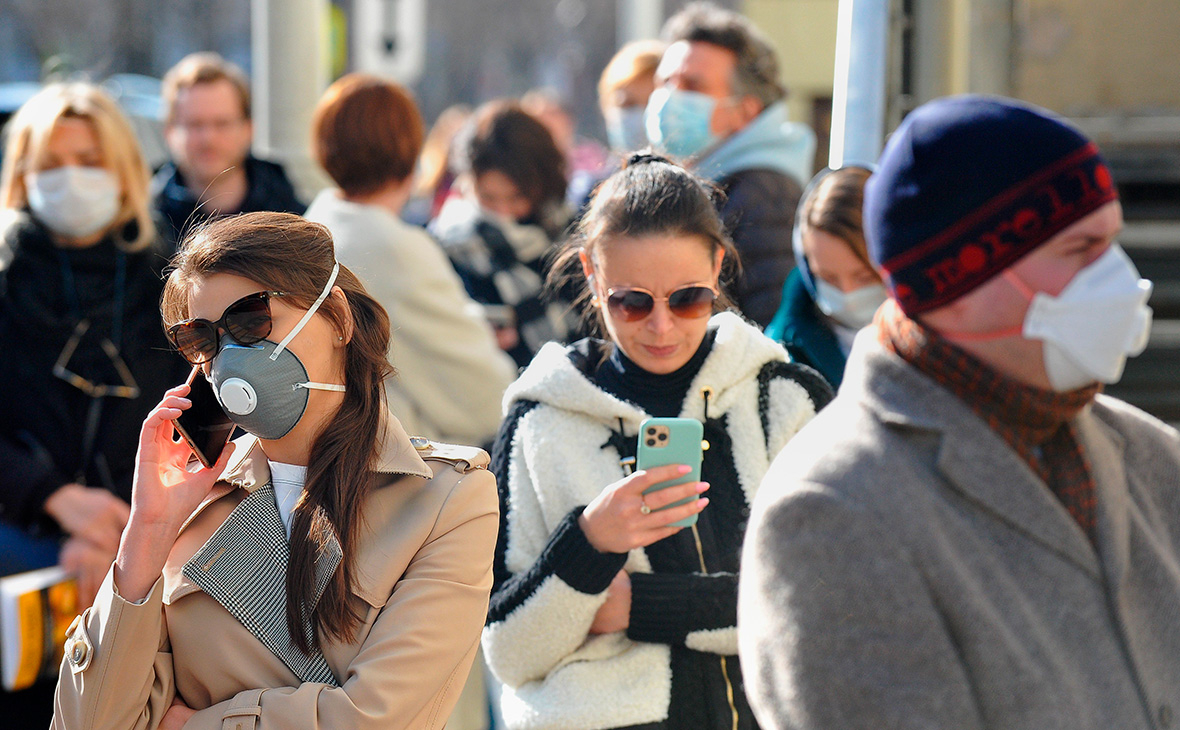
603,615
328,571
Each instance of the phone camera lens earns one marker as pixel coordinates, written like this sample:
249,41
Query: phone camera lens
651,431
651,442
663,437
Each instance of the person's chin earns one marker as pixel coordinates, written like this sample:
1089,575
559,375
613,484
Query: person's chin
661,359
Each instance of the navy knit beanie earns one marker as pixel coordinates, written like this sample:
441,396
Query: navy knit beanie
968,185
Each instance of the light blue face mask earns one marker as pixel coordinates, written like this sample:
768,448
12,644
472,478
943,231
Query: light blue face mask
854,309
678,121
625,129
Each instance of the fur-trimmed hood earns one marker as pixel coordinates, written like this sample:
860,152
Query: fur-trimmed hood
739,352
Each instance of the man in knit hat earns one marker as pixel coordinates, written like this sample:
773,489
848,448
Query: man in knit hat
971,535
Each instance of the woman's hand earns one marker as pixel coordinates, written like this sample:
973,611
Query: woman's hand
90,563
615,614
615,521
163,495
165,492
176,716
91,513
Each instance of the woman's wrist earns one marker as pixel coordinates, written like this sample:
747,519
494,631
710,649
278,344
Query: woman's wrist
142,553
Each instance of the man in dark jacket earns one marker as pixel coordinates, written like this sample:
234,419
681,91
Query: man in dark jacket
719,105
209,131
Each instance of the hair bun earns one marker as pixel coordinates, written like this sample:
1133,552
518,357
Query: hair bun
644,158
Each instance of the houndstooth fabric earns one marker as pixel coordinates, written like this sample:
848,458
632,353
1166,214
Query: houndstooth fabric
243,566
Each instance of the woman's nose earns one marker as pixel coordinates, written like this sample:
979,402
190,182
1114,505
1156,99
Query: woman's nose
660,319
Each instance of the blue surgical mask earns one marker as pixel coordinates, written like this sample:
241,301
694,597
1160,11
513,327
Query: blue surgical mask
854,309
678,122
625,129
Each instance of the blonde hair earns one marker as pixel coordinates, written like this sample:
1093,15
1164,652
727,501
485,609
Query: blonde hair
28,137
635,60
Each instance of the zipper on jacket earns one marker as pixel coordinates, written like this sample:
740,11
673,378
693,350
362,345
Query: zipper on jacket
696,536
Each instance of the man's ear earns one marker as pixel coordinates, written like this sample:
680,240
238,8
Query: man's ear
749,107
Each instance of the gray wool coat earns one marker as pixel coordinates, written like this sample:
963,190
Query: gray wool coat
904,568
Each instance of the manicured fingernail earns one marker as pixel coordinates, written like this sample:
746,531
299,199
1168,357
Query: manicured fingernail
703,502
186,401
684,468
702,486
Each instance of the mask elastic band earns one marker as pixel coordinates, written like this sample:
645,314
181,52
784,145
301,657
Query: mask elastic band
321,386
307,316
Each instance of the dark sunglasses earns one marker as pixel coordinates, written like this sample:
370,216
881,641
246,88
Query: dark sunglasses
246,321
632,304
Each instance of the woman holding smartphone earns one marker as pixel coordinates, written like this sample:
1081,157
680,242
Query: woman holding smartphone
329,571
603,615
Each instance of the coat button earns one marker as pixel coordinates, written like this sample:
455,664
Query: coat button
78,653
1165,716
420,443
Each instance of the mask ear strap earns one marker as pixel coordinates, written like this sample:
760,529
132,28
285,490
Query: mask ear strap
310,385
307,316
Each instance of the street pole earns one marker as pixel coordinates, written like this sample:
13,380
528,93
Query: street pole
290,71
638,19
858,93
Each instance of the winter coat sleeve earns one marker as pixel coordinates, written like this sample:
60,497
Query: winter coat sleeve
837,626
540,615
688,609
759,212
116,649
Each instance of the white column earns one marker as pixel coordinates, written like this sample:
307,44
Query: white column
290,71
858,93
638,19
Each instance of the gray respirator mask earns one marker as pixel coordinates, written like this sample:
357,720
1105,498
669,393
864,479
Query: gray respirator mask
263,387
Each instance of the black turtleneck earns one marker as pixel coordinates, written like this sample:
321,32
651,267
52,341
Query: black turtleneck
658,395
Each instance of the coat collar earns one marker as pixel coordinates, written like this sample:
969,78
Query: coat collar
972,458
243,564
249,468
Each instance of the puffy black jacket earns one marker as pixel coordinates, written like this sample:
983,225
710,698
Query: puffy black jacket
269,190
44,291
759,213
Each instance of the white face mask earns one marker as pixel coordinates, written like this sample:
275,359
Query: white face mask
1098,320
854,309
74,201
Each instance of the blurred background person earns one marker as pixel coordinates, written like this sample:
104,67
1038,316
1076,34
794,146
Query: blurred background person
367,133
719,105
834,290
623,90
603,614
436,166
585,158
500,232
209,131
85,357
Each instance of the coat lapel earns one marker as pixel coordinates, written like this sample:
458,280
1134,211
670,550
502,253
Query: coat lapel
972,458
1104,450
243,567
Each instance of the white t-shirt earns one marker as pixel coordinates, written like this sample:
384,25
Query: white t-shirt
287,481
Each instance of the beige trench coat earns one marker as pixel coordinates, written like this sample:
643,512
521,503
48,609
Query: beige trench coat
213,631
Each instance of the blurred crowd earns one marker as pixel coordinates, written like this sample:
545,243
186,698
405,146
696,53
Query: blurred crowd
968,535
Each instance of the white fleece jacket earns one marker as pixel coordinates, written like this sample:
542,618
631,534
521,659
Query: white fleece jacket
555,674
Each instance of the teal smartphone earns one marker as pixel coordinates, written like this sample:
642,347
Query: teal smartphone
672,441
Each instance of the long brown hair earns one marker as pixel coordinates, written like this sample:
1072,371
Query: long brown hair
284,252
835,207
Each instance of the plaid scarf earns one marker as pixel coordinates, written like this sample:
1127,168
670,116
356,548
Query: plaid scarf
1036,423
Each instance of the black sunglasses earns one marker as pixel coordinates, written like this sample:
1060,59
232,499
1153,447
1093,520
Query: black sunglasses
632,304
246,321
